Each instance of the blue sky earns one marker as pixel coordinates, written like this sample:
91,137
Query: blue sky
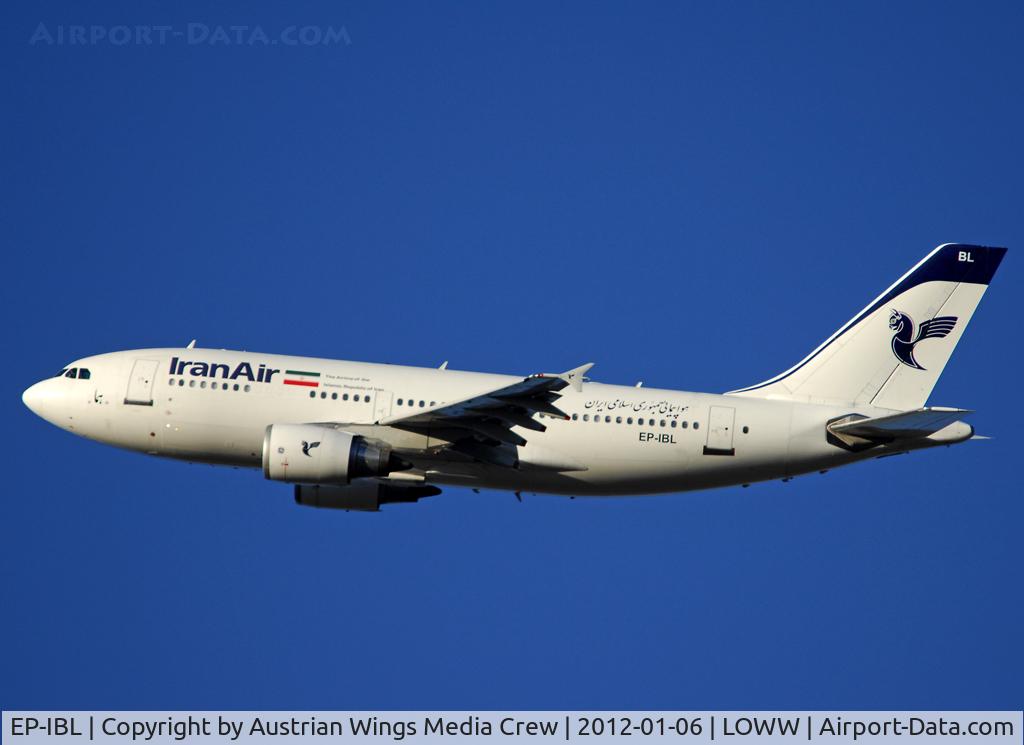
693,195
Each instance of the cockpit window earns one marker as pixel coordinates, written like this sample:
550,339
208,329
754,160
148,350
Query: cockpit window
84,374
61,373
72,373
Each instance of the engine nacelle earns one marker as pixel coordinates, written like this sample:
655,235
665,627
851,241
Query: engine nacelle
314,454
364,496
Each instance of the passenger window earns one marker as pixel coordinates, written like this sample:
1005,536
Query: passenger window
662,422
323,394
344,397
84,374
629,420
684,424
213,385
334,396
607,420
400,401
248,388
203,384
422,404
312,394
696,425
586,417
618,420
191,384
181,382
72,373
236,386
672,423
575,417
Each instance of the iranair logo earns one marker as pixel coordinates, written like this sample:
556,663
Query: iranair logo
242,371
256,373
904,340
307,446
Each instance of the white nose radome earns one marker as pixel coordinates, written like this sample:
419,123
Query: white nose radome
39,398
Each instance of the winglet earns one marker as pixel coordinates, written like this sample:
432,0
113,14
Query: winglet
574,377
191,344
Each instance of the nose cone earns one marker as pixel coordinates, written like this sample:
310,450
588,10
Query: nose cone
38,398
31,398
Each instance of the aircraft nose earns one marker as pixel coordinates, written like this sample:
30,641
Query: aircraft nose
35,398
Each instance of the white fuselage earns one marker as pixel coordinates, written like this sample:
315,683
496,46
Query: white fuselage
627,440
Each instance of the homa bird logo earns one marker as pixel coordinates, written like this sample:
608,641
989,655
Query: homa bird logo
904,340
307,446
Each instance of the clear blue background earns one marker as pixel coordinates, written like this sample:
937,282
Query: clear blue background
689,194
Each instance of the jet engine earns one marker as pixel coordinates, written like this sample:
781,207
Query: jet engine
315,454
364,496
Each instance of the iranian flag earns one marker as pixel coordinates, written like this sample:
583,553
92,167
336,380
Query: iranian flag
302,377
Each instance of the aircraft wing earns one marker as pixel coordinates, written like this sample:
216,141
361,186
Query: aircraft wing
904,425
481,425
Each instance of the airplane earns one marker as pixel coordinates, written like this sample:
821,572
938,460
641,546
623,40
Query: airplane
356,436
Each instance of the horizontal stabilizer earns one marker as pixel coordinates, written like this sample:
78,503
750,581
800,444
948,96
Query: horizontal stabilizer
906,424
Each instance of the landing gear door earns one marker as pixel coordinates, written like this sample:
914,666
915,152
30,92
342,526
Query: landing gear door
720,426
382,405
140,383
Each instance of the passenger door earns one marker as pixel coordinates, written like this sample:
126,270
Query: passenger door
720,424
382,405
140,383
